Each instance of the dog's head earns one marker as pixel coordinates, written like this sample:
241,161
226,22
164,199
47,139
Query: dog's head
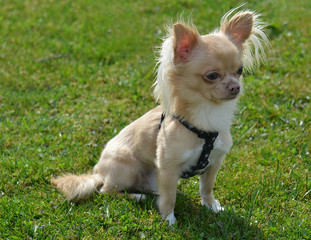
209,67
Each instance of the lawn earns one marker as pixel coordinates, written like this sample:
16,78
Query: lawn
74,73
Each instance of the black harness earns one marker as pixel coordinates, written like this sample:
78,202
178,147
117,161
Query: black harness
208,146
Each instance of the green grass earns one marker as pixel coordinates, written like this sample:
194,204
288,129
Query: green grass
74,73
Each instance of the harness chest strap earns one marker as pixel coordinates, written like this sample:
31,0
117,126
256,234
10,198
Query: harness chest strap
208,146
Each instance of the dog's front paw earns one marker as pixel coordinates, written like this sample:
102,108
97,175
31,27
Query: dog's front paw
215,206
171,219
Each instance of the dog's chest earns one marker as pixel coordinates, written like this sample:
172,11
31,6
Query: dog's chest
191,156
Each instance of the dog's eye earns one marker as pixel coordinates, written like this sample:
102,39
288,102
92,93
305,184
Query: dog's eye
211,76
240,70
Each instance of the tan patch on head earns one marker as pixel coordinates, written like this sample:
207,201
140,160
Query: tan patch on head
218,53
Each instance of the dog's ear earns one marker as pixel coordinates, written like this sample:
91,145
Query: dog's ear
238,28
185,38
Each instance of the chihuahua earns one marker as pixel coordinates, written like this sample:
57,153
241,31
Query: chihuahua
198,82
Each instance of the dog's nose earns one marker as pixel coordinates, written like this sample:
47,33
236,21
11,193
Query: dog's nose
234,88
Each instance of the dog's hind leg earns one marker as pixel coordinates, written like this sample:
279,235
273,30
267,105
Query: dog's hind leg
114,189
121,177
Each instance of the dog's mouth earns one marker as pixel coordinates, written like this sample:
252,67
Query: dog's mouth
232,97
224,99
229,98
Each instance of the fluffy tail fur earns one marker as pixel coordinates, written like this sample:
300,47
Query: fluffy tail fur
78,187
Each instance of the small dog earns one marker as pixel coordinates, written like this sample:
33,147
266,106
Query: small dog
198,83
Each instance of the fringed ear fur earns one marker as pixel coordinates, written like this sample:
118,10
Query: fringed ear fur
238,28
247,32
185,38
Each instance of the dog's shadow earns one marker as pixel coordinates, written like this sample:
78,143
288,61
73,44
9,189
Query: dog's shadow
193,220
197,222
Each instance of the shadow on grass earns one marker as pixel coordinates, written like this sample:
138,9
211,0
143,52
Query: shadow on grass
197,222
118,215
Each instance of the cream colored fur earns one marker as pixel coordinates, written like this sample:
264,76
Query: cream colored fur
198,78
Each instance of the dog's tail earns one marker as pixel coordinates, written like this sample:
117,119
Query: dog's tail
78,187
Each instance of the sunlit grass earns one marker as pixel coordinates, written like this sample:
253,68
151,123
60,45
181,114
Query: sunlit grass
74,73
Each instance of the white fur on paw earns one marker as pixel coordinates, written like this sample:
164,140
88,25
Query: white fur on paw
216,207
171,218
138,197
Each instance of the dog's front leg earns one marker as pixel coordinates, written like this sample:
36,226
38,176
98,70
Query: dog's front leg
167,187
207,181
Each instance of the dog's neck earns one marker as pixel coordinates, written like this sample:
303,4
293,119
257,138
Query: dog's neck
207,116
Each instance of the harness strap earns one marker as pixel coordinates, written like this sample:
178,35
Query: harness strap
162,119
208,146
